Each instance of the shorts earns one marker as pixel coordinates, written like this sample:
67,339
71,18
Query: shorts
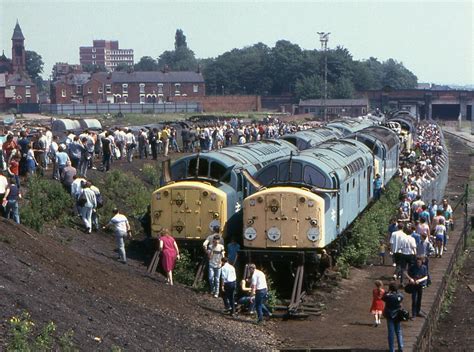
439,238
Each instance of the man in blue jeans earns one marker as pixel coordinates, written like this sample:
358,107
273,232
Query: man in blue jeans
418,277
259,290
229,279
215,253
393,301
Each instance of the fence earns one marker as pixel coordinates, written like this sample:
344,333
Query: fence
82,109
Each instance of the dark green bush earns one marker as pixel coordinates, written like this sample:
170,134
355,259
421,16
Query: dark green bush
45,201
185,269
124,191
152,174
369,229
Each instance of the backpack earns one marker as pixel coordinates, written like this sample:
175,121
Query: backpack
82,200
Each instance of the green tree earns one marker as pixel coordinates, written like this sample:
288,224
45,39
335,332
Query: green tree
286,66
343,88
123,67
395,75
309,87
93,68
181,58
146,63
34,64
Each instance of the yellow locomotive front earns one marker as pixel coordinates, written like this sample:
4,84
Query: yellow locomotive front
284,217
189,209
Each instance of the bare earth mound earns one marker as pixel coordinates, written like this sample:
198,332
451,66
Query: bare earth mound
101,298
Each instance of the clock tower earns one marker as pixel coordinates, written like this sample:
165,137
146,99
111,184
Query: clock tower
18,50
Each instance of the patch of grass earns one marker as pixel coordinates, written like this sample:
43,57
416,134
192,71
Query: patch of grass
125,192
369,229
152,173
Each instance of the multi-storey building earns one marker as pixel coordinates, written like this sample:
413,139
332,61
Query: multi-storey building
105,53
63,68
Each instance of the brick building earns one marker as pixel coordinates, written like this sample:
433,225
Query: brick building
63,68
105,53
143,87
127,87
16,87
69,88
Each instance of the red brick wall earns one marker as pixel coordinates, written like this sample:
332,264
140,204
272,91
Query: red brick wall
225,103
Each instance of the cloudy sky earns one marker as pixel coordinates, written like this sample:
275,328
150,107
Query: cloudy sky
433,39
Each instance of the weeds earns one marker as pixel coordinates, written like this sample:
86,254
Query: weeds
46,201
369,229
22,336
184,271
152,174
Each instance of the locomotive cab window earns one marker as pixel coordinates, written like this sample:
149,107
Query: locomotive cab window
179,171
218,170
347,188
203,168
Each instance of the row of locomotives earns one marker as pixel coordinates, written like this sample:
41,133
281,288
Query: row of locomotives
202,193
305,202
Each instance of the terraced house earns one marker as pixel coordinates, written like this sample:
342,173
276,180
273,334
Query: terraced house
129,87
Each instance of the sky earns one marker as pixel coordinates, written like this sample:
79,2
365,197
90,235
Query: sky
433,39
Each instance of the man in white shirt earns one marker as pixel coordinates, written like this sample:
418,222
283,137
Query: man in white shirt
121,227
259,290
396,240
3,190
228,279
215,253
130,145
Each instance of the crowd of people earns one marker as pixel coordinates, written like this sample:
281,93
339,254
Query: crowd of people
418,232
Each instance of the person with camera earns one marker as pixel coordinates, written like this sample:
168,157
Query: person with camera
417,276
391,312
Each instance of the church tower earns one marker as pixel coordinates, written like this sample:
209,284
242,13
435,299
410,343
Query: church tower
18,50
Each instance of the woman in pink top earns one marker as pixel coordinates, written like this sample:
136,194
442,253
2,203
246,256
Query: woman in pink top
169,253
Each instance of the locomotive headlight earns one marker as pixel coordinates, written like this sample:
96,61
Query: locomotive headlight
260,199
157,215
250,222
215,215
273,234
250,234
313,234
302,199
158,196
252,202
166,193
213,196
205,193
313,222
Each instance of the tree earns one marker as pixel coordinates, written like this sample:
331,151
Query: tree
181,58
343,88
34,64
146,63
93,68
123,67
395,75
309,87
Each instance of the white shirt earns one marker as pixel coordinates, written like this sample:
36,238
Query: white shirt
120,223
408,245
76,187
3,184
258,280
395,241
228,273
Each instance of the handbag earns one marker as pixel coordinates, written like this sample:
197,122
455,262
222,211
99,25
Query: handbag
410,288
403,315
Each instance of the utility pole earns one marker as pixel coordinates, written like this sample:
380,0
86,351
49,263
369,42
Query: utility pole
324,38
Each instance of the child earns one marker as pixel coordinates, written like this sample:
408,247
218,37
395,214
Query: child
382,249
377,304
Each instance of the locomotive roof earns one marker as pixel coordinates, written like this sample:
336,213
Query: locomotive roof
311,138
379,134
251,156
348,126
342,157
